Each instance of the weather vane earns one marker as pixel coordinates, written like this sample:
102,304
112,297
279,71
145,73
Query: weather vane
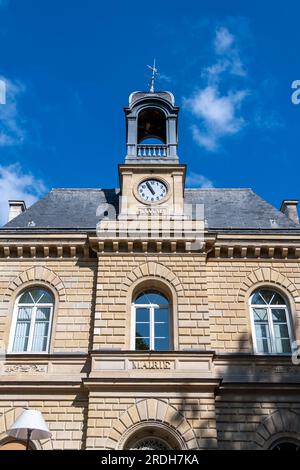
153,77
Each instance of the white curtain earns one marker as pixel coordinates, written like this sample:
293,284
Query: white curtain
41,328
22,329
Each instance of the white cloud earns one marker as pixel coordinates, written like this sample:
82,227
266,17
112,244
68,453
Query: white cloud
216,112
11,126
224,40
227,57
218,115
16,184
195,180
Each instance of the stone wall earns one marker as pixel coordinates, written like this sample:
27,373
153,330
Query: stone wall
65,415
255,422
72,283
229,285
182,277
112,420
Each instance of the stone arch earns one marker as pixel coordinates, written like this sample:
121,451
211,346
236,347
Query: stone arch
282,423
149,412
7,419
267,275
154,270
36,274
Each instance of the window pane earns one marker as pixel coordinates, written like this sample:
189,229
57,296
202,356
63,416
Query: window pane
142,344
263,343
282,345
41,330
257,299
151,297
35,295
22,330
142,315
281,330
46,297
26,298
142,326
161,329
161,315
143,329
161,344
278,300
260,315
267,295
278,315
282,340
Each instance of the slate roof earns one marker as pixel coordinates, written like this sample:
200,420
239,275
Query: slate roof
81,209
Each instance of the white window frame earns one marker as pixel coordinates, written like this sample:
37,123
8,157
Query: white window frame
152,308
269,308
34,307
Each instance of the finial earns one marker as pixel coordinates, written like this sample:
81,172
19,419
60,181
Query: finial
153,77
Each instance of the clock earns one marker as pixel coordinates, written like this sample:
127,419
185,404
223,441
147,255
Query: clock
152,190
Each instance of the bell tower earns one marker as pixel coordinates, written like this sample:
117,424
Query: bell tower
151,128
151,179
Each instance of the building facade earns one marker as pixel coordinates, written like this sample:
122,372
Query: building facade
152,316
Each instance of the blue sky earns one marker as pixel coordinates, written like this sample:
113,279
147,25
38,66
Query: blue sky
70,65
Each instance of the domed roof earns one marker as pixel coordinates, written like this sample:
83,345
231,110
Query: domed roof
137,95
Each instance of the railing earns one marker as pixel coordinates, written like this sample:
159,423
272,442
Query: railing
152,150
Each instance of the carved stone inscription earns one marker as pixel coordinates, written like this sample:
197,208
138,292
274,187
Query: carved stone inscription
25,369
158,365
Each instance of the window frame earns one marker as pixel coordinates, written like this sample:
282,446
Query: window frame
151,307
269,308
34,307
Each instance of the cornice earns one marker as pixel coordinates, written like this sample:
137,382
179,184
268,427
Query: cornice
44,246
258,246
215,246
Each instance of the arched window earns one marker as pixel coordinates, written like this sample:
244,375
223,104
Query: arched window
32,321
154,436
151,322
149,443
151,125
272,332
286,444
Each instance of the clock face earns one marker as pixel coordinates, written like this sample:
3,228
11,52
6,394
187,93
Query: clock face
152,190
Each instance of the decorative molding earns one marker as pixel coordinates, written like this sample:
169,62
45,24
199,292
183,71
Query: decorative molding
256,247
267,275
25,369
162,245
36,274
149,412
282,421
44,246
156,270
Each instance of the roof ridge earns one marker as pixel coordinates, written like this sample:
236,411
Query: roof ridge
84,189
117,189
218,189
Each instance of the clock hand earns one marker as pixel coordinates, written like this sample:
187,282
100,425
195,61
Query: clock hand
149,187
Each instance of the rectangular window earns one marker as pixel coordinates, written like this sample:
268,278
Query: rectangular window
152,329
271,330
